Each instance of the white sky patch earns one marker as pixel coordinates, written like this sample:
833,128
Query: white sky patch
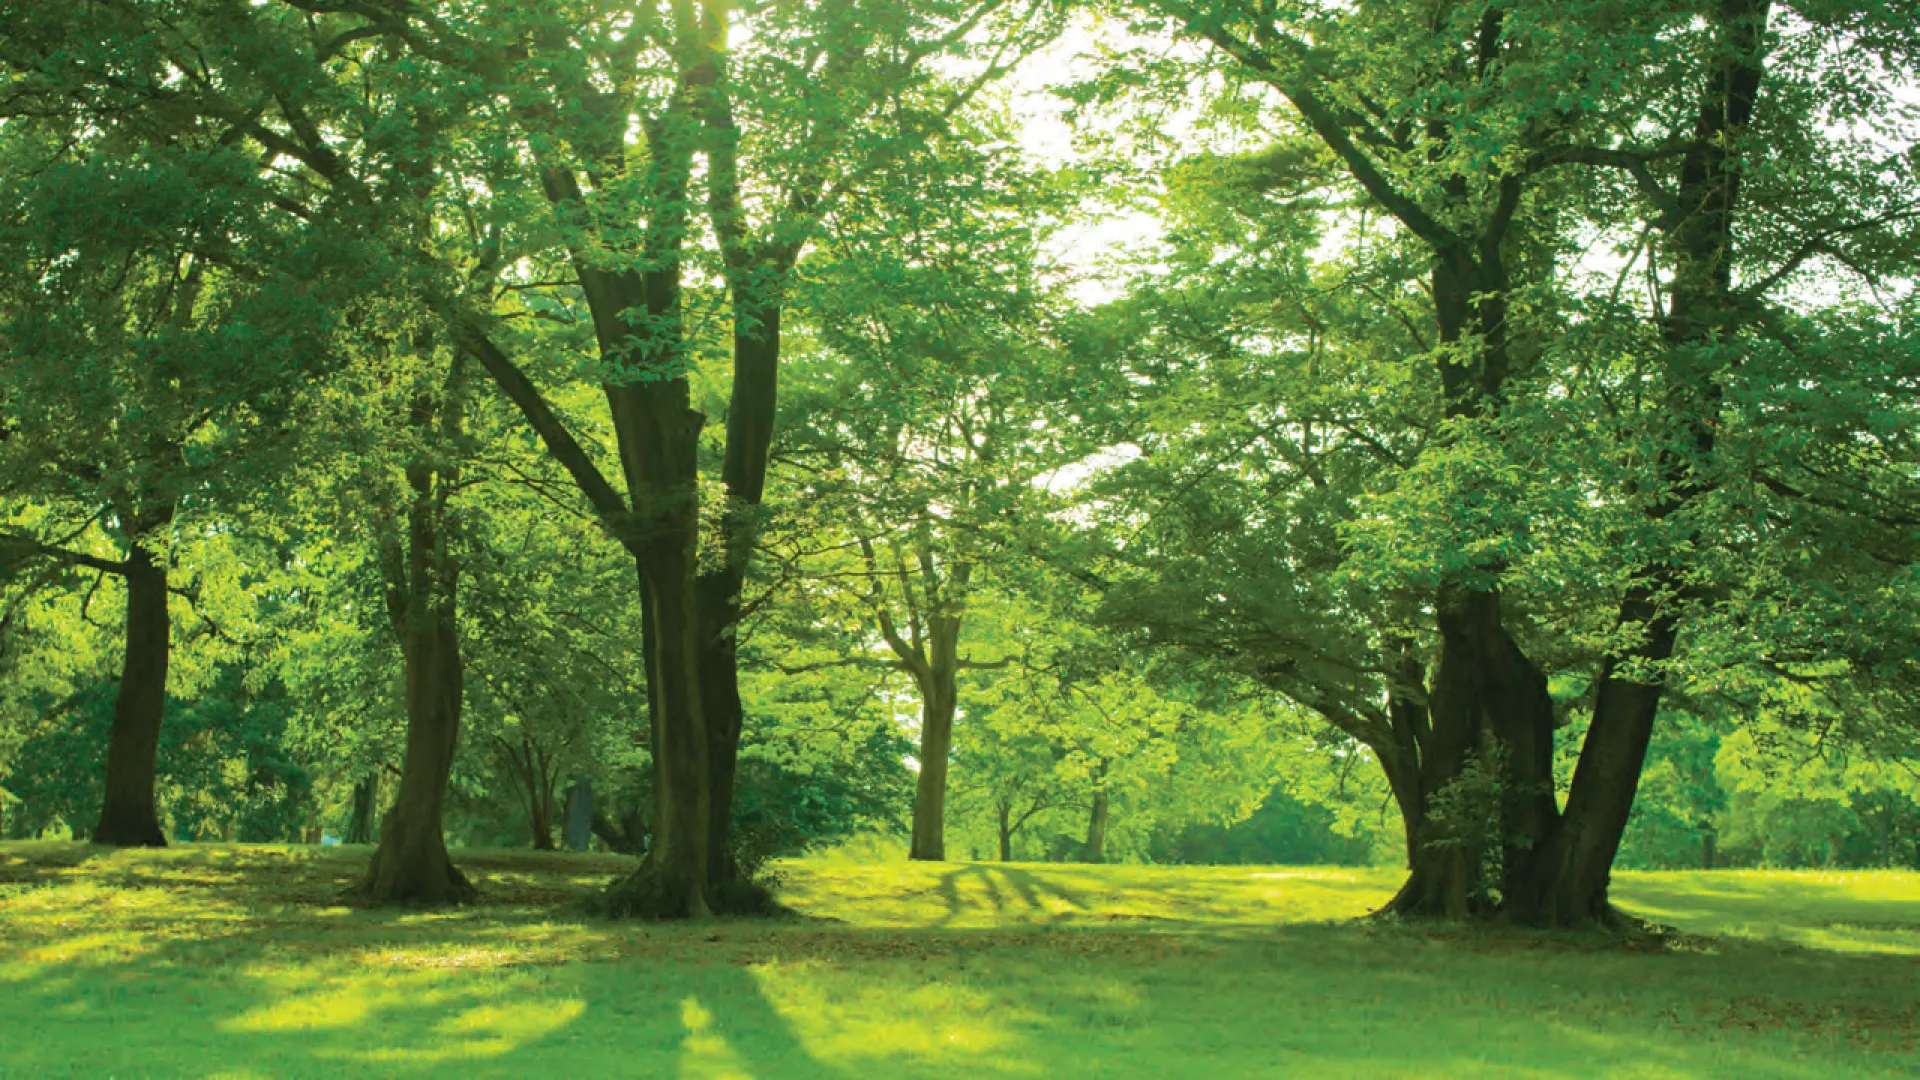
1074,474
1096,242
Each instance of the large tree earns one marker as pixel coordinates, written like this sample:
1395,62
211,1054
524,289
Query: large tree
608,115
1479,132
148,373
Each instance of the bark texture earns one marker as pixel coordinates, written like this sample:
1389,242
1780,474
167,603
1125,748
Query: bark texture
128,814
938,680
1568,878
421,576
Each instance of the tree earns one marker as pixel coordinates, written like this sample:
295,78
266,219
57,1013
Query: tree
921,432
619,217
1455,129
146,370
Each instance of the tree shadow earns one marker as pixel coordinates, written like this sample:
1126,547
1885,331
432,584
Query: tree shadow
1030,887
506,990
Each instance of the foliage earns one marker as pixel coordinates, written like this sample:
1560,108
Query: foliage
224,767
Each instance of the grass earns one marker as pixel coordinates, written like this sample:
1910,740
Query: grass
211,961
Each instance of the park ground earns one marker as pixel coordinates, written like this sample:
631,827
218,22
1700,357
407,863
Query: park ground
243,962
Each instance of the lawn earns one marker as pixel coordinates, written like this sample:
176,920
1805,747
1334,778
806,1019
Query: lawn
211,961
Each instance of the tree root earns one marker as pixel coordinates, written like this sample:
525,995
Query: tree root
430,885
644,894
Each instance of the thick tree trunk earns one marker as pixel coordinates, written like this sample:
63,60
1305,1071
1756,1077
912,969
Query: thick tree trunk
659,451
658,434
1006,832
672,881
1563,880
1443,879
1484,780
128,816
365,795
720,696
1567,881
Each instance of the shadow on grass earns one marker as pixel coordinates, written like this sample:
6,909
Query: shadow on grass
328,991
248,979
1870,912
1029,886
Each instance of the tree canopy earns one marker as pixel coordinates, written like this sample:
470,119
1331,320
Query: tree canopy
1472,435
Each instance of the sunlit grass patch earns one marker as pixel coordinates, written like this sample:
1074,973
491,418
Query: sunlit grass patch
1003,894
934,1014
207,960
1851,911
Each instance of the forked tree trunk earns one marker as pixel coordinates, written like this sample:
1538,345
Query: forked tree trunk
758,293
128,816
1566,879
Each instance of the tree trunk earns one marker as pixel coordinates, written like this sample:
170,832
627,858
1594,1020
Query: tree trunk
1096,847
1443,879
1563,881
1567,881
1006,832
411,865
1476,773
1484,780
720,696
672,881
930,792
540,818
128,816
758,297
658,436
940,699
659,451
365,796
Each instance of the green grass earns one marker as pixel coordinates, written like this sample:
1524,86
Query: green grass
211,961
